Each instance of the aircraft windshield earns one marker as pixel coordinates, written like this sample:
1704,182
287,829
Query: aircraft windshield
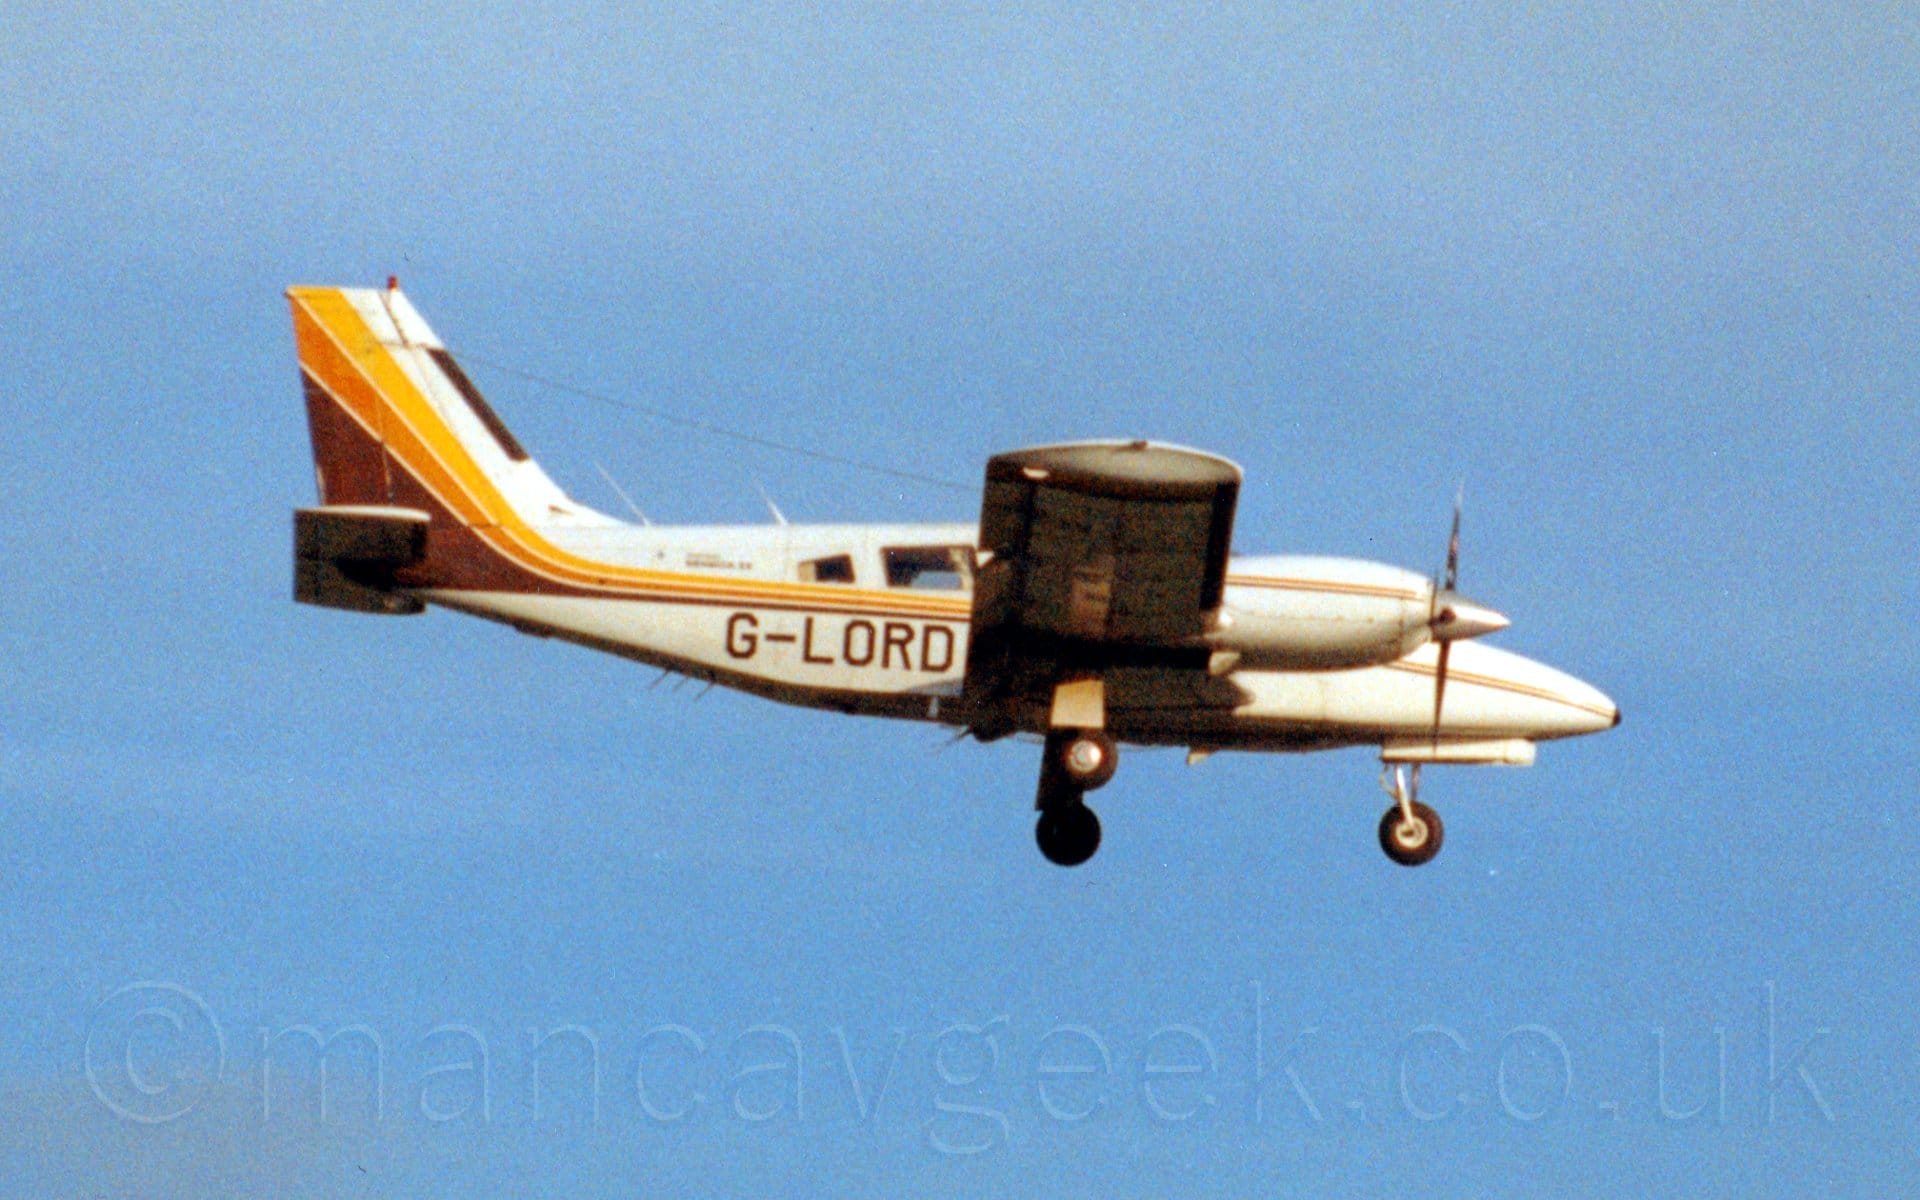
943,568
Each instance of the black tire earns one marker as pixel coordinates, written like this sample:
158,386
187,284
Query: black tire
1086,757
1411,848
1068,834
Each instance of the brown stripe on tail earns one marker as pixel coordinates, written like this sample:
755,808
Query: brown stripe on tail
354,468
379,441
349,466
457,556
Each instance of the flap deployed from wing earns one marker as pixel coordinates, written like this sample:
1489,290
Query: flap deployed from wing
1094,555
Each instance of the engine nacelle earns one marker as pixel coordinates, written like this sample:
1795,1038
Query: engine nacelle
1296,612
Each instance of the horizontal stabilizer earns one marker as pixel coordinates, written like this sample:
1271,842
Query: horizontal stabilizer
345,556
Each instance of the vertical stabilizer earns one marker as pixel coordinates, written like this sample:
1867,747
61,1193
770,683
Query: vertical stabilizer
386,403
402,438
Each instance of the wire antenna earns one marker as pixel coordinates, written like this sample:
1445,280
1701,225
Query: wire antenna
721,431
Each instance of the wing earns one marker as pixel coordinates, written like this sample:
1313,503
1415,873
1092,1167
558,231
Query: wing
1096,555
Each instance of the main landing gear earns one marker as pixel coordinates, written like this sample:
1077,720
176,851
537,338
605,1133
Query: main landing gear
1076,762
1410,832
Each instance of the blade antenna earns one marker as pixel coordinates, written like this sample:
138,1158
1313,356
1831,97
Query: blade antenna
622,494
779,518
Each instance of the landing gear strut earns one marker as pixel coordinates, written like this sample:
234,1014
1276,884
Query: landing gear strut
1076,761
1410,832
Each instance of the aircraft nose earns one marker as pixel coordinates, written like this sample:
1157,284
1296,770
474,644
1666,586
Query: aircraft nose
1599,706
1523,697
1577,707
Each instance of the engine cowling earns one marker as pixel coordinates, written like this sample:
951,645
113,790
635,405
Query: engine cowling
1298,612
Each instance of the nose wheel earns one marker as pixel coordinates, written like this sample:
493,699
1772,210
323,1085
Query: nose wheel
1410,832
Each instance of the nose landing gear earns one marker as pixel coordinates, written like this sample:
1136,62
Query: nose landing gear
1410,832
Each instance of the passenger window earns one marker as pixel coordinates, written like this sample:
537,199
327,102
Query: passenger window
835,568
944,568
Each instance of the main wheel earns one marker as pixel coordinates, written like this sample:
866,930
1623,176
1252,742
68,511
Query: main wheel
1068,834
1411,844
1088,757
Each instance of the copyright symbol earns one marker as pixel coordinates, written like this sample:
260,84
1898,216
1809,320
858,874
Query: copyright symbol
153,1052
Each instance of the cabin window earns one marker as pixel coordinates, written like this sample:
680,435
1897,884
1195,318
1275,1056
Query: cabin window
835,568
943,568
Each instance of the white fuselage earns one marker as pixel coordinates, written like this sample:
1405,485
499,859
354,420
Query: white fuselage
1310,652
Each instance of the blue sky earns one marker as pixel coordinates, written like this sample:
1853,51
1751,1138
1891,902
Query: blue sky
1644,279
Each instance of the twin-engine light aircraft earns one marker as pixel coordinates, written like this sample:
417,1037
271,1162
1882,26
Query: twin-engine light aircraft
1094,603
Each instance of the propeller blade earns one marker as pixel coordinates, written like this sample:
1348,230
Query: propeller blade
1453,541
1452,622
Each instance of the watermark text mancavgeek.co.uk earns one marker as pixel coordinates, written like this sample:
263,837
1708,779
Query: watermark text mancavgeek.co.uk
157,1052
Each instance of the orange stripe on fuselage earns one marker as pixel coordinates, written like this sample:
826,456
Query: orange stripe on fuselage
1333,586
1498,684
347,359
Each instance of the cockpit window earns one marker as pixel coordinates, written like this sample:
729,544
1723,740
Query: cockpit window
943,568
835,568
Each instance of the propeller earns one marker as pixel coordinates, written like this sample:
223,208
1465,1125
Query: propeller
1452,617
1434,615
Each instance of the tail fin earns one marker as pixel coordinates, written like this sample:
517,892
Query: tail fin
400,433
386,403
